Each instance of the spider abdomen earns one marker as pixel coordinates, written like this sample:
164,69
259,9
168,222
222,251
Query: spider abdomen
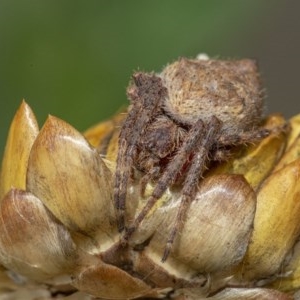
199,89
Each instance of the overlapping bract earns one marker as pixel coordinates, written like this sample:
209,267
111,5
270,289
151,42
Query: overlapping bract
57,220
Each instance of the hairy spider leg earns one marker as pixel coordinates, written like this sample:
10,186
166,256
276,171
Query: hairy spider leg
145,95
123,168
153,173
237,139
245,137
168,177
189,190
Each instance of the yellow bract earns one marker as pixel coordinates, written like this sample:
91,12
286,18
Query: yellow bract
22,133
255,162
72,180
276,223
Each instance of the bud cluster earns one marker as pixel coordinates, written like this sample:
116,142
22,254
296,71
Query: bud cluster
58,227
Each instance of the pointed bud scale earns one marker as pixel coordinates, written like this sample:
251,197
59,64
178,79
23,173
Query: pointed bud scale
31,242
276,223
71,179
291,154
224,207
255,162
289,278
295,132
250,294
109,282
96,134
22,133
99,135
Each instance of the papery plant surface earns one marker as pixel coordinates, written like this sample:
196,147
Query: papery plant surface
176,198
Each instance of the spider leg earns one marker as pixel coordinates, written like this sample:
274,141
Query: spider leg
252,136
145,95
195,172
244,137
153,173
221,154
123,170
168,177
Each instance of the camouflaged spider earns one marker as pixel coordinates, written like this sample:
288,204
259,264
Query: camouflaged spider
193,112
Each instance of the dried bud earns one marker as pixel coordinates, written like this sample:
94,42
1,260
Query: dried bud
292,152
276,223
22,133
224,207
32,243
107,281
295,132
256,161
60,220
250,294
72,181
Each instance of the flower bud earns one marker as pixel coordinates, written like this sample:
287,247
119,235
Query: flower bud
32,243
70,178
223,207
22,133
109,282
276,223
256,161
250,294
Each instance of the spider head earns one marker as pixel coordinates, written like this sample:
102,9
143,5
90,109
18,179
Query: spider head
162,137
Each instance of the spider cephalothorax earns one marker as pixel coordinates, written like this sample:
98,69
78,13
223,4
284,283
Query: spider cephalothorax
191,113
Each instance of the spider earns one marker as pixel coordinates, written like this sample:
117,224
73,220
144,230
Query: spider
194,112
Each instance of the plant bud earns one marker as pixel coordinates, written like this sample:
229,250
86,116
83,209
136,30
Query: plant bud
22,133
256,161
57,220
223,207
291,154
71,179
295,132
250,294
276,223
32,243
109,282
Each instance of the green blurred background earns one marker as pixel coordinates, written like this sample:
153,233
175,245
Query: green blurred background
73,59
